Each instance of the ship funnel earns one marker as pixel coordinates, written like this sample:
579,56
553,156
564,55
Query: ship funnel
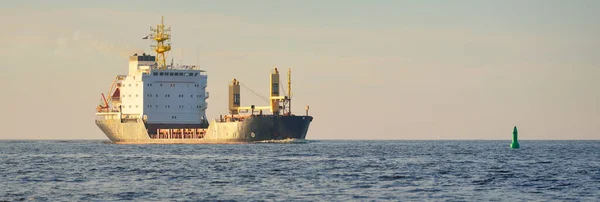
234,96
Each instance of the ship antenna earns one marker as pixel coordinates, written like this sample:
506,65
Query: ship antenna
182,61
162,37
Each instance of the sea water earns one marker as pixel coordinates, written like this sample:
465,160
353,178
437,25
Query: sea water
301,170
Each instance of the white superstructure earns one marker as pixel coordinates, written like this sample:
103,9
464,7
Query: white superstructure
165,96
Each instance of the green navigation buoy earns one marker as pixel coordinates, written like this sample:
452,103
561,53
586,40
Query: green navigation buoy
515,141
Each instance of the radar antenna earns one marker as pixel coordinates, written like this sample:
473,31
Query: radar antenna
162,37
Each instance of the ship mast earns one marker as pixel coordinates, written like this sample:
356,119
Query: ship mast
162,37
289,91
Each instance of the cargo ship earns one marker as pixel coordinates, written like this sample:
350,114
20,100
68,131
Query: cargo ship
160,103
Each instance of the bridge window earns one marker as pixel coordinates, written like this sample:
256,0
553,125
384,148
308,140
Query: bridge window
155,73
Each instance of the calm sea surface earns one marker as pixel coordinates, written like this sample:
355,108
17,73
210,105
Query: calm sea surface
306,171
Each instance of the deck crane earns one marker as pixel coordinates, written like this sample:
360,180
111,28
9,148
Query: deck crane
104,107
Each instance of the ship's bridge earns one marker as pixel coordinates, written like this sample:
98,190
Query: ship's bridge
178,72
140,64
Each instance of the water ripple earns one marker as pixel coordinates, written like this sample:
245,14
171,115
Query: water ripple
300,170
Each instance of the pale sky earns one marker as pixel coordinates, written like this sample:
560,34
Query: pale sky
368,69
